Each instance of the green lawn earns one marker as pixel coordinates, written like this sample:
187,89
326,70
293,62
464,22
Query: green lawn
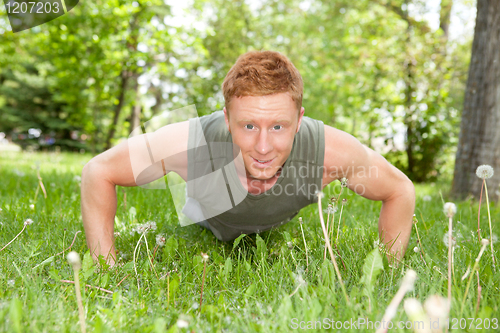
258,285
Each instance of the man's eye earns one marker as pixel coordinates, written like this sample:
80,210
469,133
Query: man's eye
278,127
249,126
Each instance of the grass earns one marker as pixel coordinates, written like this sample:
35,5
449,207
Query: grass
247,286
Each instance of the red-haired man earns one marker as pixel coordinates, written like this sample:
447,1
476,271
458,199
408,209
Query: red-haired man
250,167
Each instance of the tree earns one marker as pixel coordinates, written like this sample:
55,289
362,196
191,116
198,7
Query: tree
479,140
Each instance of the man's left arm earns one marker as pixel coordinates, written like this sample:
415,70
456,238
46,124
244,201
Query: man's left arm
371,176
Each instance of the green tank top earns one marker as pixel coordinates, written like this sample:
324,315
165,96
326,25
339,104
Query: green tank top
216,196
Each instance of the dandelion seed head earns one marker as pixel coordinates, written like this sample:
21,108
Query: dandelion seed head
32,206
19,173
181,323
416,249
427,198
142,228
450,209
414,220
74,260
343,182
290,245
412,306
28,222
77,178
453,239
320,194
150,225
300,220
484,242
484,171
344,201
331,209
160,239
437,307
299,279
204,256
409,279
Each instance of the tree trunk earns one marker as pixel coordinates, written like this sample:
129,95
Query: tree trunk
444,16
159,101
121,99
409,105
136,110
479,141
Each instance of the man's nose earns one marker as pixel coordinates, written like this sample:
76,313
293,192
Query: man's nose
264,144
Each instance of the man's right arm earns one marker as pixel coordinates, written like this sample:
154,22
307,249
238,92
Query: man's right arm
139,160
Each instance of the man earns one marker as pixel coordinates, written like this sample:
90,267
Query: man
251,167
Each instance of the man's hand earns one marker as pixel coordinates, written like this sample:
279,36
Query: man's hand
372,177
139,160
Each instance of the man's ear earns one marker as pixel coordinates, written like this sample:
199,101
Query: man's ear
226,118
301,113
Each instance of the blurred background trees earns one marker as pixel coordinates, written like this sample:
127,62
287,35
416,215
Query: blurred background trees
390,72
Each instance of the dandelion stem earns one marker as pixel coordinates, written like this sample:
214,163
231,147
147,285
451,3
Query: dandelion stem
479,211
203,281
474,268
81,314
24,227
489,222
422,253
89,286
168,289
41,184
135,250
327,228
150,257
338,227
327,240
450,246
126,276
305,246
478,293
73,242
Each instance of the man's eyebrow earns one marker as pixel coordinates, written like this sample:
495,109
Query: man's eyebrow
285,121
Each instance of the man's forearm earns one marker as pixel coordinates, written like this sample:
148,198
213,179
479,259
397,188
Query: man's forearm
395,222
98,204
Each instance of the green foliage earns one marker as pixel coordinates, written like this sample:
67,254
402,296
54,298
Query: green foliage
374,69
372,268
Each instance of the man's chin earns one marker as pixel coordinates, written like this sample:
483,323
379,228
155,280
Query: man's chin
262,174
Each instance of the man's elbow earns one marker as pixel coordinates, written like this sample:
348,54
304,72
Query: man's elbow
403,190
407,188
91,170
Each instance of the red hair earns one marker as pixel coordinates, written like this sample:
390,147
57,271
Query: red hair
261,73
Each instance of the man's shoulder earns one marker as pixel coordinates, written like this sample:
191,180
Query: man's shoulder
342,150
213,126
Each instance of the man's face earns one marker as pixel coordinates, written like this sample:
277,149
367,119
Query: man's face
263,127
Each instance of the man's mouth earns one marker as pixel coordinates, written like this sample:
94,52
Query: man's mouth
263,162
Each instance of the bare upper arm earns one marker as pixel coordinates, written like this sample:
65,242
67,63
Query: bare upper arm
368,173
146,157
